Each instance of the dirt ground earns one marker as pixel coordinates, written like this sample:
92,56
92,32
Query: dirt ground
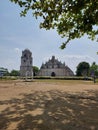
48,105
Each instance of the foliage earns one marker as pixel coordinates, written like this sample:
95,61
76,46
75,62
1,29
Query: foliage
94,69
83,69
3,71
35,70
7,74
14,73
71,18
62,78
8,78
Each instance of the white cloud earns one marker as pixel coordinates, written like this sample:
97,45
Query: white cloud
75,58
17,50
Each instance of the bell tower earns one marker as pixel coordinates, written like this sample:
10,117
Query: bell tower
26,69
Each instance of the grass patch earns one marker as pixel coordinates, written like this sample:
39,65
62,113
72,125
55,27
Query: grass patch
65,82
8,78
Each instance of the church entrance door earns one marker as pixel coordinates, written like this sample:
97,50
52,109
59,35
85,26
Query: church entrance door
53,74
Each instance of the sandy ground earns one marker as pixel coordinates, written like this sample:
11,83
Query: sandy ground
48,105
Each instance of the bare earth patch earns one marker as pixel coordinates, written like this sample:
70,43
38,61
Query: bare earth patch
48,105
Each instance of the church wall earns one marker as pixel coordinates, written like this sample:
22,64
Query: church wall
58,72
53,67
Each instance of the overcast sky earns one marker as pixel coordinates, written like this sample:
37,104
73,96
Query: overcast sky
18,33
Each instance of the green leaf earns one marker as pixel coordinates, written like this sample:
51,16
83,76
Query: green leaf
71,18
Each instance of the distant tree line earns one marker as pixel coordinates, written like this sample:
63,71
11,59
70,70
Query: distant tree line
12,73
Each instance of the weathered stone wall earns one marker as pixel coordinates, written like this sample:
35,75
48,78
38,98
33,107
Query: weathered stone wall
26,64
55,68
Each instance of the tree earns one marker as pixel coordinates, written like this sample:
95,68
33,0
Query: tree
83,69
94,69
35,70
71,18
14,73
4,72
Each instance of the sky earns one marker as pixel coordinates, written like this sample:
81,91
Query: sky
20,33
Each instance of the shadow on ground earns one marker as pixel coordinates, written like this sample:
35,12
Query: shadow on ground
52,110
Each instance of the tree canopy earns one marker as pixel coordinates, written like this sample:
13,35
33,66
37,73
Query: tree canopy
14,73
35,70
94,69
71,18
83,69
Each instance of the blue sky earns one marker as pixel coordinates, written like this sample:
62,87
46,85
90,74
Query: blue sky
18,33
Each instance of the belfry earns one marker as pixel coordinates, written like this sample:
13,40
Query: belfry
26,69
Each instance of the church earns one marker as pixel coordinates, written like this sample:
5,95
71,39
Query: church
54,68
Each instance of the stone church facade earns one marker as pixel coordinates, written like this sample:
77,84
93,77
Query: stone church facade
53,67
26,64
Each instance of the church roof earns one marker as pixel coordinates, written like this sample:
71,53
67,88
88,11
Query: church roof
53,63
